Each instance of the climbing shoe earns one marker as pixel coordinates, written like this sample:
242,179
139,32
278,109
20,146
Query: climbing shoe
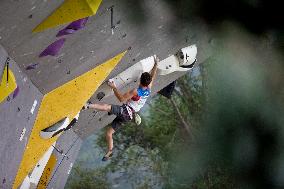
107,156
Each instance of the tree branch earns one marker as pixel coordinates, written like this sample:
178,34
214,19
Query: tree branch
184,123
158,109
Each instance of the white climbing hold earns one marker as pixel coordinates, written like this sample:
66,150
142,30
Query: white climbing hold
54,129
71,165
33,107
77,116
181,62
22,134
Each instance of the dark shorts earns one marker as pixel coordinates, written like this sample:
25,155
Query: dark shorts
122,116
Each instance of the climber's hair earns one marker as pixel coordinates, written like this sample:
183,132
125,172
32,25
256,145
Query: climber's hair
145,79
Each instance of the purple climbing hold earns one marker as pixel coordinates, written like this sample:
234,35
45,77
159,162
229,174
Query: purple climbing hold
65,32
16,92
54,48
73,27
78,24
32,66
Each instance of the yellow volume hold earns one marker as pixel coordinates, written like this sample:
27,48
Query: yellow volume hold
7,85
69,11
64,101
46,175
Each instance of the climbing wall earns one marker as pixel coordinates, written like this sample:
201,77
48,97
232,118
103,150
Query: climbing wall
60,53
64,101
17,114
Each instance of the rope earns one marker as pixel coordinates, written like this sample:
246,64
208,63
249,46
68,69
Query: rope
62,159
6,64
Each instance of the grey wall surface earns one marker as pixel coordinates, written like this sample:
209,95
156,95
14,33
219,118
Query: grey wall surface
161,34
15,116
70,144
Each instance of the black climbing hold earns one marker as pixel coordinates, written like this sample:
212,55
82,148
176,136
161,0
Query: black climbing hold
18,109
8,98
4,181
133,59
59,61
181,56
71,124
100,119
135,81
124,35
129,48
57,132
68,72
112,26
32,66
186,56
189,66
30,16
100,95
118,22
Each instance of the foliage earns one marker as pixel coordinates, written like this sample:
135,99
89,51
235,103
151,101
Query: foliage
242,127
87,179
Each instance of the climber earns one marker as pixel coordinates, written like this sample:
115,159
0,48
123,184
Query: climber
133,101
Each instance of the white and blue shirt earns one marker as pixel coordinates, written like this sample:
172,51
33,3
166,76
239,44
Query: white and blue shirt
139,100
